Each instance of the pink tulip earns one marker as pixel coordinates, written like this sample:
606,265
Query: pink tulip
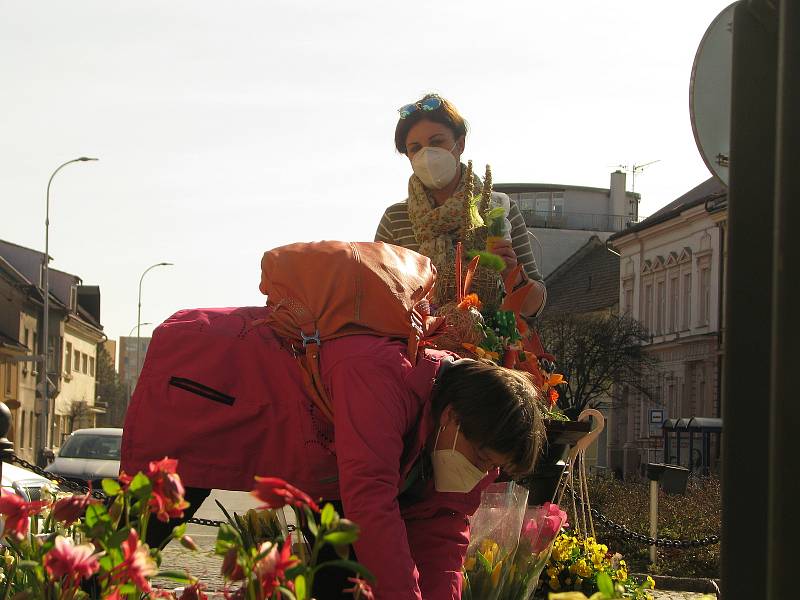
544,526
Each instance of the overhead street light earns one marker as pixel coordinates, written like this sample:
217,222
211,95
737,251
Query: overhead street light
139,317
45,431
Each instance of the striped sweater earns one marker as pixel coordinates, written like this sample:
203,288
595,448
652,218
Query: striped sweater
395,228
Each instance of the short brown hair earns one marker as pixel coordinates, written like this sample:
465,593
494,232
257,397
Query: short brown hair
497,409
446,114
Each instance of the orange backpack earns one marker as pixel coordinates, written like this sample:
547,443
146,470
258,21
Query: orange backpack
320,291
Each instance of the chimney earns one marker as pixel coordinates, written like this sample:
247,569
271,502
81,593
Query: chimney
617,197
89,300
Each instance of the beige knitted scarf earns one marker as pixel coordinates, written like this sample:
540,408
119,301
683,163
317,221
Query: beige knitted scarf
438,228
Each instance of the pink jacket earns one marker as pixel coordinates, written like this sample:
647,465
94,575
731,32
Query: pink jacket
228,402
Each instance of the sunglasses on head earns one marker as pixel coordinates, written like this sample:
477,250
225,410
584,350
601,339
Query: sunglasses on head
426,105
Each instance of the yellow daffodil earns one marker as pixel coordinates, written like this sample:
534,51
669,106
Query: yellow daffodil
650,583
496,573
469,564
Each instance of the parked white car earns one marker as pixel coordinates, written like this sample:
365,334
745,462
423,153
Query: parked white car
89,455
26,484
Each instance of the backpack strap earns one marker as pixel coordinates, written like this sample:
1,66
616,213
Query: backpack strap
309,336
312,376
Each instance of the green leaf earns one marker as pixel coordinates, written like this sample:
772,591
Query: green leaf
341,537
140,486
111,487
605,585
179,531
328,516
118,537
96,514
227,537
300,586
128,588
116,509
286,593
350,565
484,562
177,576
311,523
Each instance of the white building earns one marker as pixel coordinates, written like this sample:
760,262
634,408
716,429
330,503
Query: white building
563,218
671,280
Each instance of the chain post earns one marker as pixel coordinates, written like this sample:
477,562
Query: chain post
6,446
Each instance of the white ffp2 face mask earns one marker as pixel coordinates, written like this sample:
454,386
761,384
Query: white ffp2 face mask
452,471
434,166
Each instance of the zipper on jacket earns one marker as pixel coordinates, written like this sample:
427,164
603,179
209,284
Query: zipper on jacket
201,390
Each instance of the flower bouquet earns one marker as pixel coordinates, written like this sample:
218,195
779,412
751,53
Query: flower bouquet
494,534
542,526
510,545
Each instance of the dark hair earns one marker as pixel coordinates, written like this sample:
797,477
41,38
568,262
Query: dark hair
497,409
446,114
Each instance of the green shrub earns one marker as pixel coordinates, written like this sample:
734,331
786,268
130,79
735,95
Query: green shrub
695,515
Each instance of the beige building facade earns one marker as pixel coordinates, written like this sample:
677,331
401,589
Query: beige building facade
672,281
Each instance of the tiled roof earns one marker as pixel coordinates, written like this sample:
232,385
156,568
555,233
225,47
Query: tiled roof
710,188
587,281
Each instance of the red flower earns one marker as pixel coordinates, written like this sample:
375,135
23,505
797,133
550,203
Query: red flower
552,397
271,569
167,500
194,592
70,509
137,565
277,493
17,513
167,491
360,589
230,566
71,561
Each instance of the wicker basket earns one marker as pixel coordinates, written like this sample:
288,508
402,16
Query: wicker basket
461,326
487,283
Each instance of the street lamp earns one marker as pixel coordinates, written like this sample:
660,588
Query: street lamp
139,317
47,410
130,333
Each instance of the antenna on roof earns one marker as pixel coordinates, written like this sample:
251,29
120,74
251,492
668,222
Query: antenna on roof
634,169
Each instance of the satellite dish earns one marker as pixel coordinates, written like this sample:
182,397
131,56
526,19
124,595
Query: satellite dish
710,94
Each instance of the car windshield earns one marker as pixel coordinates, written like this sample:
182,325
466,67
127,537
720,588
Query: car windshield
101,447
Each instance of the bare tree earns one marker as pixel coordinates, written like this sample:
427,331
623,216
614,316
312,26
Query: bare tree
598,355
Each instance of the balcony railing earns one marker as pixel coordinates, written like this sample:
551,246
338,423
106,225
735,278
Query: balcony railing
573,220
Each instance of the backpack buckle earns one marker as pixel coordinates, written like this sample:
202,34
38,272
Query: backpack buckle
307,339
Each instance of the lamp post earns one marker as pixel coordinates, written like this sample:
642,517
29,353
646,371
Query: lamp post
130,333
139,317
47,410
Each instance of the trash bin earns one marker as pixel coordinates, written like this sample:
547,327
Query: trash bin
671,478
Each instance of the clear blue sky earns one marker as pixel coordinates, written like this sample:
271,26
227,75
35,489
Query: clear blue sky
225,129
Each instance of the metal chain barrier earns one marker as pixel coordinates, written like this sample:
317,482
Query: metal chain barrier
644,539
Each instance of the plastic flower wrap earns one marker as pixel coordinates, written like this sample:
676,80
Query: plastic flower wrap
540,529
495,529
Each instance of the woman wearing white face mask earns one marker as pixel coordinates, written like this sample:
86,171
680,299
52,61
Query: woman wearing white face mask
432,134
